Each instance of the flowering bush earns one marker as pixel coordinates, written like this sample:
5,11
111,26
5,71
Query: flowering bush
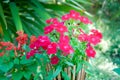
65,43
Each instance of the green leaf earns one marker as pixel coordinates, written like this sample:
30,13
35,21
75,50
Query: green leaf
87,2
89,71
15,15
40,10
25,61
17,75
16,61
79,67
26,48
58,70
4,26
2,15
32,67
65,76
3,78
27,74
6,66
117,70
69,63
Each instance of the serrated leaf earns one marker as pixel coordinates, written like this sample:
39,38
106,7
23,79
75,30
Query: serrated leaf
117,70
17,75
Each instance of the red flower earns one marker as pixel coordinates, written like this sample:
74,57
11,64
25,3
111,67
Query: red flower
51,20
52,48
32,39
22,38
85,20
54,60
48,29
97,33
10,46
66,17
74,14
35,45
66,48
0,47
31,53
90,51
3,43
44,41
7,45
64,39
2,53
61,29
95,37
83,37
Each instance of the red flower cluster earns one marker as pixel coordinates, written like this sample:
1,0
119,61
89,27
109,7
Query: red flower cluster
55,25
93,38
50,47
64,45
76,16
44,43
6,45
22,39
41,41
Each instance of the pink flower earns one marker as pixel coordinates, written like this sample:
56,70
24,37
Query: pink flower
66,17
28,55
85,20
74,14
52,48
83,37
64,39
44,41
51,20
95,37
35,45
54,60
48,29
66,48
31,53
90,51
97,33
61,29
